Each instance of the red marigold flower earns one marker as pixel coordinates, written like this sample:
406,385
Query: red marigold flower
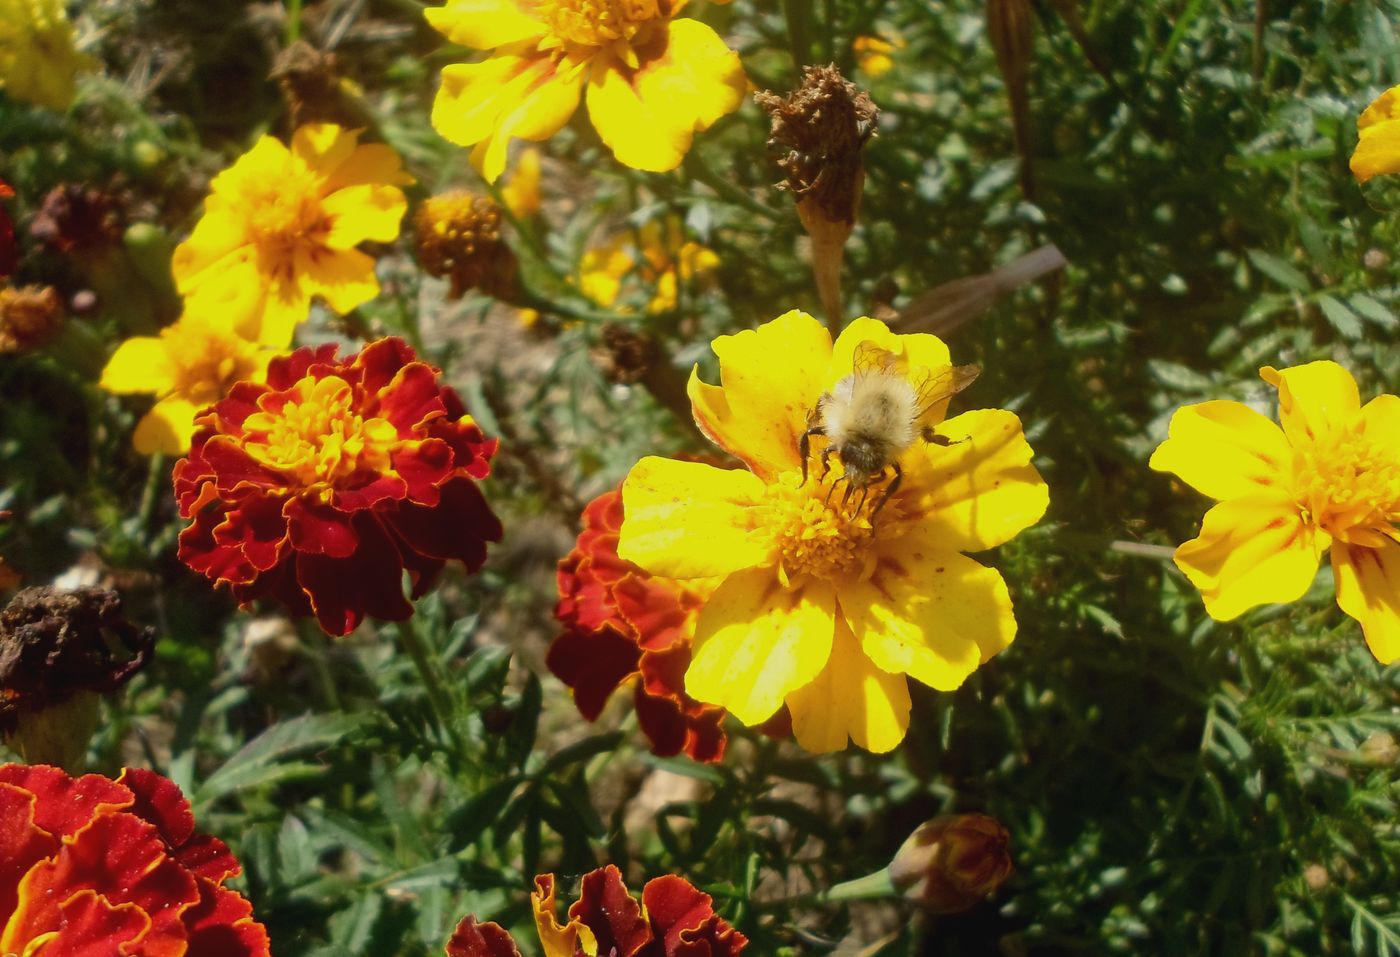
622,624
320,486
674,919
9,247
92,866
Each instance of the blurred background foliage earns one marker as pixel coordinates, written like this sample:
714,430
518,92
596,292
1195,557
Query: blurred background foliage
1172,785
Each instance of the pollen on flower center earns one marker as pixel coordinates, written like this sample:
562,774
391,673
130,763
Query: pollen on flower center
1350,487
817,531
317,436
284,213
597,23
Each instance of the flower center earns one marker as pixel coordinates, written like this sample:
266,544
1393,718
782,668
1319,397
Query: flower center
316,435
818,529
283,214
1349,485
206,361
598,23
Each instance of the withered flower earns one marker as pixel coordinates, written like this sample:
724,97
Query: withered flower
313,90
952,862
822,127
459,237
58,651
1009,29
29,315
74,218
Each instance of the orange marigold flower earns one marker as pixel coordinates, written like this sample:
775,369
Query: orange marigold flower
622,624
321,485
93,866
673,919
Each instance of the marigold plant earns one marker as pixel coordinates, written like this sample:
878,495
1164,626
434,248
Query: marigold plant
1328,480
95,866
321,486
653,80
39,60
824,604
673,919
1378,144
189,365
658,254
280,227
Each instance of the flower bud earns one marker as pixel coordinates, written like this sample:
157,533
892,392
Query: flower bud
952,862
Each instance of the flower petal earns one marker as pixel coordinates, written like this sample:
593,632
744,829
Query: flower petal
770,380
1313,399
978,492
1251,551
344,278
473,939
850,698
167,427
1378,149
757,642
929,613
1223,449
688,520
366,211
542,111
140,365
920,350
1368,589
555,939
484,24
648,117
606,909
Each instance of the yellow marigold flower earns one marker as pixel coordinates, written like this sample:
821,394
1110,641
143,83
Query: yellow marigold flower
1330,478
874,55
1378,149
38,59
281,226
190,365
653,80
830,605
658,254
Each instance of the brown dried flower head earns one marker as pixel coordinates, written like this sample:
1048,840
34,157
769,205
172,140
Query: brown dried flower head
822,128
75,218
29,315
952,862
459,237
313,90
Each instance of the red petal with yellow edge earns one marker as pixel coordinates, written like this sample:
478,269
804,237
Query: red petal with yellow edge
221,924
381,488
161,803
22,842
662,721
344,590
64,805
235,468
122,858
558,940
654,608
257,529
411,398
663,672
91,926
381,360
423,466
481,940
457,529
593,664
685,922
199,550
605,908
471,450
318,529
286,371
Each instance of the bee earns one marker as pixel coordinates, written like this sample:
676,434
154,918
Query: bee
874,415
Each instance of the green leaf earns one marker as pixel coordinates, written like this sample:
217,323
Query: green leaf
1345,321
1279,271
254,763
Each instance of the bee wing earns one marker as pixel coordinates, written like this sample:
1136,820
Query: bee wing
941,385
870,357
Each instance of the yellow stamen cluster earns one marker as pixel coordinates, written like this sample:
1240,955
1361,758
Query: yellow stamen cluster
286,214
318,437
459,237
1349,486
206,360
598,23
817,531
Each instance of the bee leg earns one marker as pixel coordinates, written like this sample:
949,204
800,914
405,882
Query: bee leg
829,490
804,447
827,453
942,441
889,489
850,488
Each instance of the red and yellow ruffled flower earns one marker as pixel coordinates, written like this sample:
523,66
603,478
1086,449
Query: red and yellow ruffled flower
621,625
1378,146
825,605
1329,479
673,919
39,60
93,867
321,486
191,364
281,225
659,255
653,80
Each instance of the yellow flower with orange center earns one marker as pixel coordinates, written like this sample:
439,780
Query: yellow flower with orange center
38,57
652,80
190,365
1329,479
1378,146
833,596
281,225
659,255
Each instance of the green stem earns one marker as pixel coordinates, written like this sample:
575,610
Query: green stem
156,479
293,21
699,169
795,13
438,699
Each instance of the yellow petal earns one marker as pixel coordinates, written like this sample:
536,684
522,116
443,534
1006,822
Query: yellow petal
522,192
375,163
649,116
218,235
140,364
472,95
1313,399
484,24
323,146
167,428
850,698
1378,149
688,520
1368,589
542,111
770,380
344,278
981,490
1224,450
931,614
1251,551
363,212
757,642
1380,422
